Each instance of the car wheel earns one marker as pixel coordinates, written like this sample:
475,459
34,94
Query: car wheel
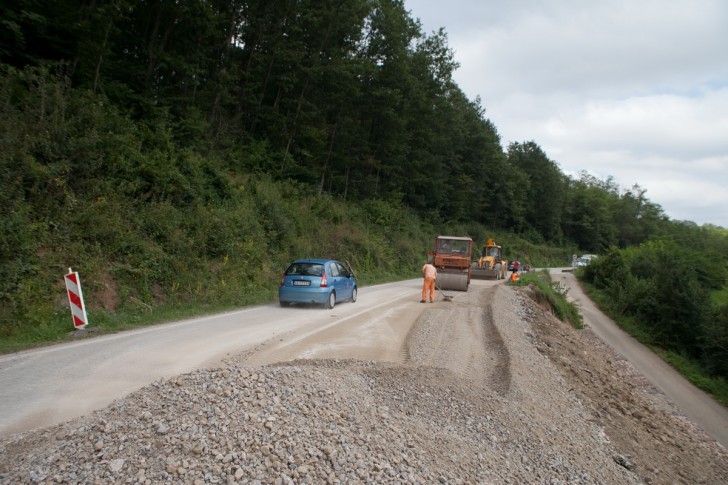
285,304
353,295
331,301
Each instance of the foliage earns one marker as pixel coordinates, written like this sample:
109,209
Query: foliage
351,98
179,154
714,384
542,189
663,287
543,289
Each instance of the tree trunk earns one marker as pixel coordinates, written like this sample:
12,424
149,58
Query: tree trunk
292,133
328,157
97,73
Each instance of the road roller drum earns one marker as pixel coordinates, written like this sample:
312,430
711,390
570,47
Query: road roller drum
453,281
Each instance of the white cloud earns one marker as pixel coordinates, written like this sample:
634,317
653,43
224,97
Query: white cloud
633,90
686,127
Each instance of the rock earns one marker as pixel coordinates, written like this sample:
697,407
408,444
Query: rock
623,461
116,465
473,401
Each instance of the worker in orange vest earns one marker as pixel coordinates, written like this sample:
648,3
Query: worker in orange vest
429,273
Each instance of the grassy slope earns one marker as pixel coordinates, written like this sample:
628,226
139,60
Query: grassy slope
715,386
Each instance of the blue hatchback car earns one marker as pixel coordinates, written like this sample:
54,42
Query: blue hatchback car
320,281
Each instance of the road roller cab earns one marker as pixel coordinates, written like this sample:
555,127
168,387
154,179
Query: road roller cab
451,257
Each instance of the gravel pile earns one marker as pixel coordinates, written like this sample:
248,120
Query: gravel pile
341,421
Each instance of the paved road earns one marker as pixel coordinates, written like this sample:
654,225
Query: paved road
51,385
698,406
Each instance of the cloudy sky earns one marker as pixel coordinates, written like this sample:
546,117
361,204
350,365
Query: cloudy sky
632,89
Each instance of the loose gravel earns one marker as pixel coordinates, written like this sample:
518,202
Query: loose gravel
497,409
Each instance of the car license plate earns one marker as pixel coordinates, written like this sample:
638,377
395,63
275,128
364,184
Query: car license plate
301,283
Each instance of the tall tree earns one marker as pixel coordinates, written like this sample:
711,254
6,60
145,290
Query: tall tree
635,217
544,188
588,219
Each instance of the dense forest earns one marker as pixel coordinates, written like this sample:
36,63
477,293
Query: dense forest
351,98
183,152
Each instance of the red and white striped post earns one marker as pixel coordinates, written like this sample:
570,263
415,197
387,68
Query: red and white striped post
75,298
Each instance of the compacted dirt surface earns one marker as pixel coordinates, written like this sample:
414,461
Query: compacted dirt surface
487,388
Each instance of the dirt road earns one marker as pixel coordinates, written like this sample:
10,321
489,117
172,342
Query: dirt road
487,388
697,405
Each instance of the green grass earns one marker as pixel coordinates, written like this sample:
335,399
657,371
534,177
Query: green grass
553,294
57,326
717,387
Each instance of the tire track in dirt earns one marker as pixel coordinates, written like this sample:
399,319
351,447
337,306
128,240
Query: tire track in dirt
367,336
464,339
498,364
459,336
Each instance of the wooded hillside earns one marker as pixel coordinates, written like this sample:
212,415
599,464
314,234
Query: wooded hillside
351,98
185,151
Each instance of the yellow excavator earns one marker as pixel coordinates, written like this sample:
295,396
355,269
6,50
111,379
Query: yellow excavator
491,264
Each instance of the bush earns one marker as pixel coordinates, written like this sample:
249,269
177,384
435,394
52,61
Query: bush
659,288
543,288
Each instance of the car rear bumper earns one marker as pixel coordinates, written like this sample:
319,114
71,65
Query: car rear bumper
308,295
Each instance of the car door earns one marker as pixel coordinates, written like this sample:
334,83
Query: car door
336,281
347,281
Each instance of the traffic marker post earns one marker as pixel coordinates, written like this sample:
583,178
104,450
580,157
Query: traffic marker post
75,299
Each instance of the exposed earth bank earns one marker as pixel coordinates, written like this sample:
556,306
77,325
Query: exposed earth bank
489,388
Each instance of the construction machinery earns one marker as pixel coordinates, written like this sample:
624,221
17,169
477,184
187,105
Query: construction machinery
491,264
451,257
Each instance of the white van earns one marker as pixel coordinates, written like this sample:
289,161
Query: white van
585,259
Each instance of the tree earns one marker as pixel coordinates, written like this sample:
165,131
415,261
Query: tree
544,186
587,218
635,217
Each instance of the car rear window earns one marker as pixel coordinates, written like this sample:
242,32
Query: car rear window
305,269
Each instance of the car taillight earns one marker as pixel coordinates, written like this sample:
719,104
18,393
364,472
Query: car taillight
283,279
324,281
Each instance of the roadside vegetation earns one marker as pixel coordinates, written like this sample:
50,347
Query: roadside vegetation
670,295
178,155
547,292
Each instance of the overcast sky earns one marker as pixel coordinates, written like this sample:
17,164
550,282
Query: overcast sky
633,89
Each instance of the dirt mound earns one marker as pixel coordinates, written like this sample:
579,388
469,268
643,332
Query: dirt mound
487,389
652,437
